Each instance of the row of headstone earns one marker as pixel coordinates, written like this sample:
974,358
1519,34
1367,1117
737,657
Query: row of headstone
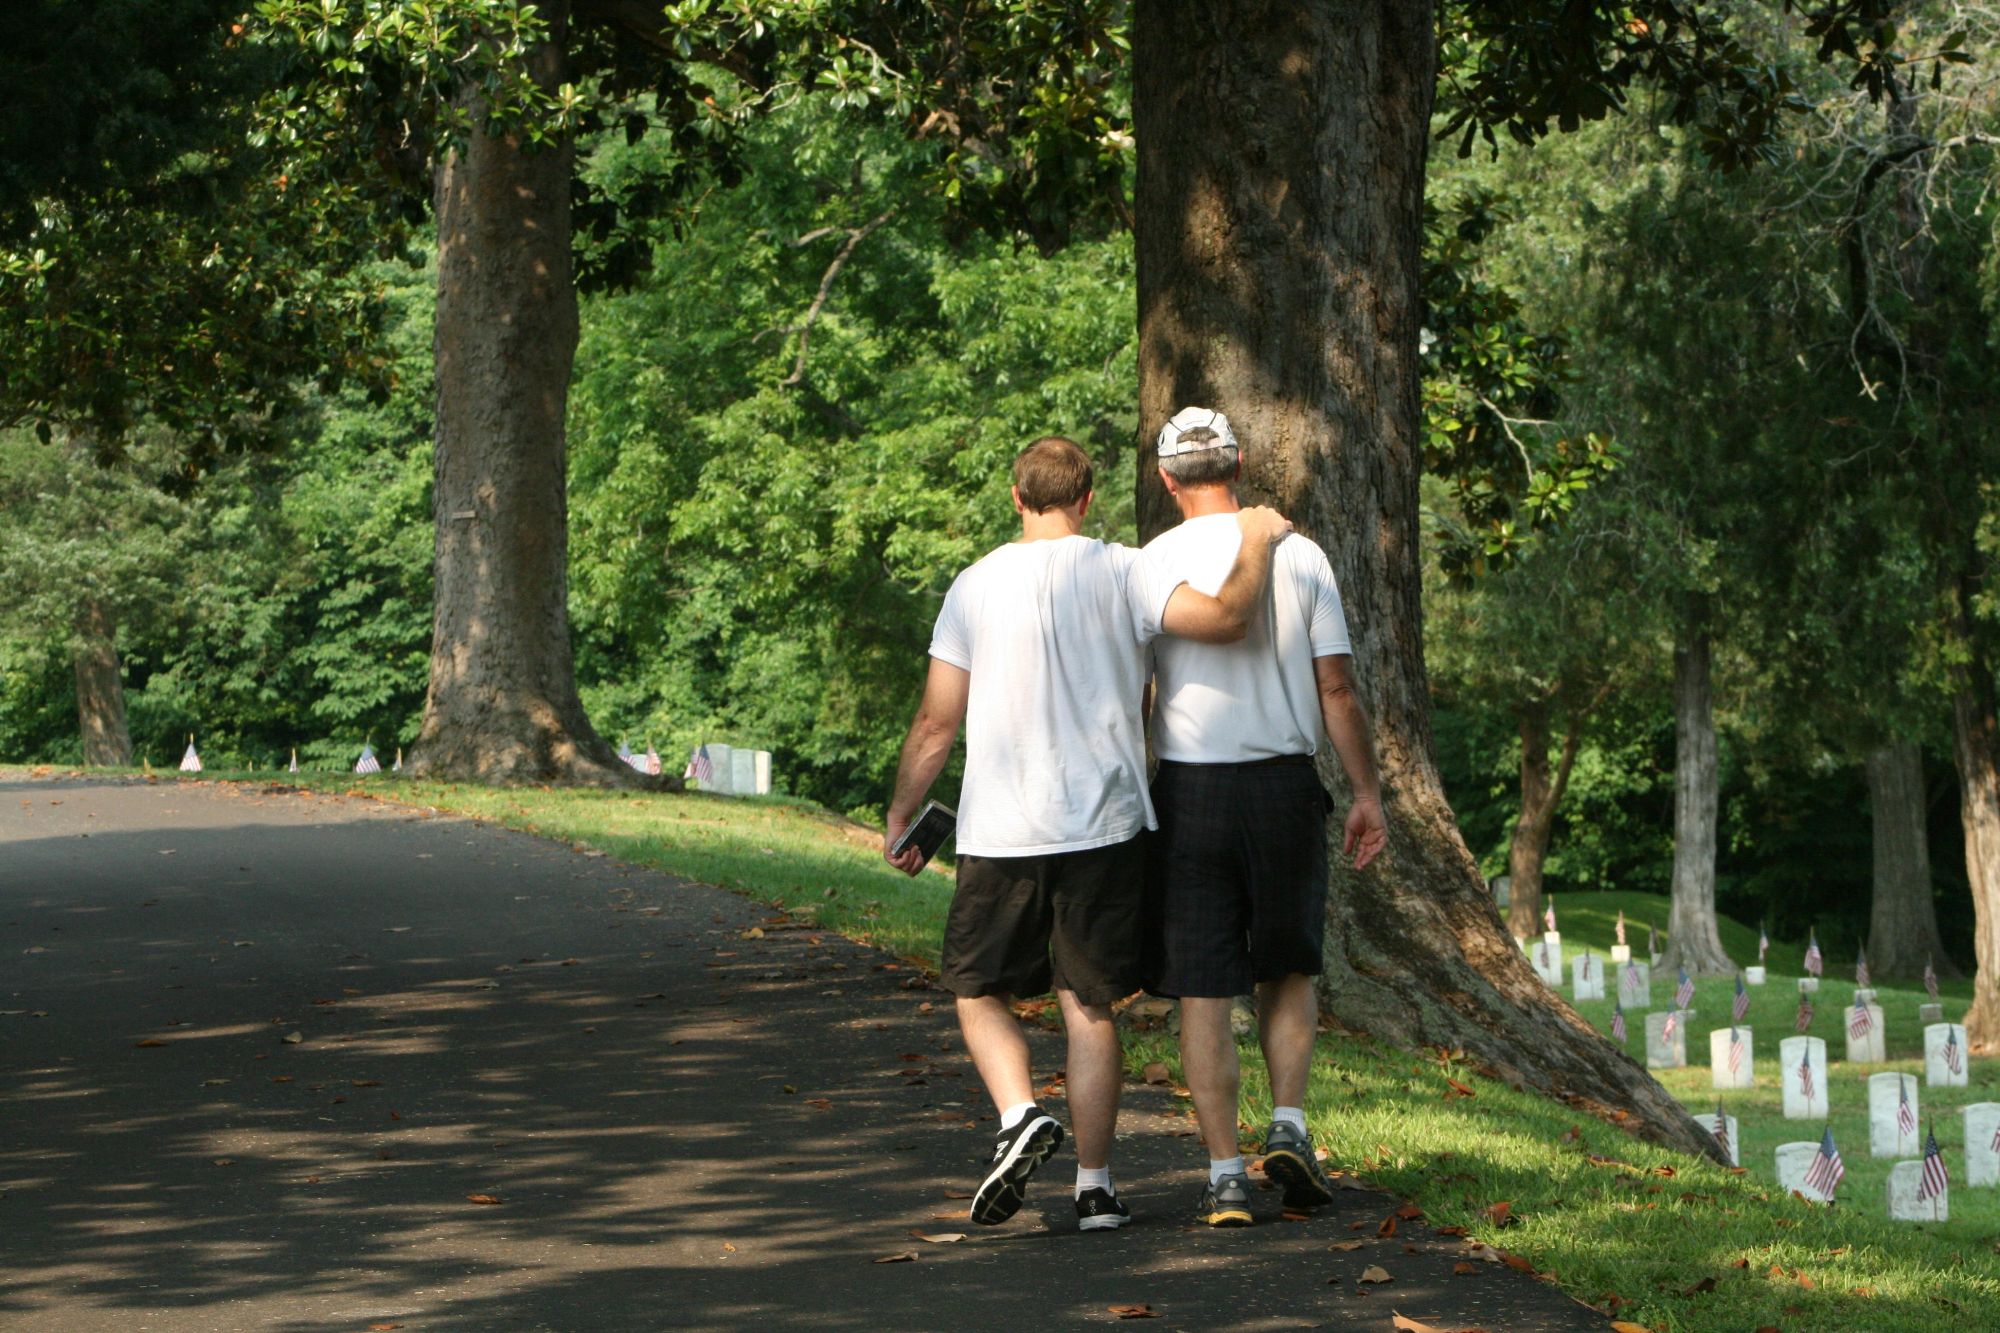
734,771
1731,1051
1904,1193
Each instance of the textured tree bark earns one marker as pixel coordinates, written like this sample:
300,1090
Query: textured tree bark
1902,920
1692,941
1541,795
1280,194
502,705
100,692
1975,731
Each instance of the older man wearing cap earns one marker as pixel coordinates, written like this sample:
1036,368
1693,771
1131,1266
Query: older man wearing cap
1236,874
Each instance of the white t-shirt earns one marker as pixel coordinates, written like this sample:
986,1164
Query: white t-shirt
1053,634
1232,703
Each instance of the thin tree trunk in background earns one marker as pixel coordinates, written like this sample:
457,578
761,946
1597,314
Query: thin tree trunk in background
1280,201
1541,796
1692,938
1902,920
1975,731
100,692
503,705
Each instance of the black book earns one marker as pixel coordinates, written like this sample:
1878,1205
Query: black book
928,830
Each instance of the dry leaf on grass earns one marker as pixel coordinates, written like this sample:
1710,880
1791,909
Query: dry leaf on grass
1627,1326
482,1198
1375,1273
939,1238
1500,1214
1457,1089
899,1257
1134,1311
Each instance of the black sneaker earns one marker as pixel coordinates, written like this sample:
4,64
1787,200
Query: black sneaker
1226,1203
1099,1209
1015,1157
1290,1161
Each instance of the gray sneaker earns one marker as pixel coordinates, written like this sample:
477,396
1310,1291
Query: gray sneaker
1290,1161
1226,1203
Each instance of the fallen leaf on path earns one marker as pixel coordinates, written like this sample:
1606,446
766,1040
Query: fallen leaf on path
1388,1227
819,1103
958,1194
1516,1262
1294,1215
1451,1231
1134,1311
382,1328
1627,1326
150,1041
225,1161
481,1198
900,1257
1375,1273
1405,1324
1347,1245
940,1238
1409,1212
292,1038
729,1246
1462,1267
364,1082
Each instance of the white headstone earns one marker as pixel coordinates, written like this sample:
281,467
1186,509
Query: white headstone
1871,1047
1904,1180
1718,1059
743,772
1982,1161
1864,995
1586,972
1663,1051
722,760
1936,1072
763,787
1753,975
1547,960
1886,1137
1621,953
1794,1160
1635,986
1808,985
1930,1013
1707,1122
1790,1052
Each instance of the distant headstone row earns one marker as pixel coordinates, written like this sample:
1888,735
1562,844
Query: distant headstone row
730,770
366,764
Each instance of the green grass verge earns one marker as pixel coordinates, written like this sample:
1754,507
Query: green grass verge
1597,1211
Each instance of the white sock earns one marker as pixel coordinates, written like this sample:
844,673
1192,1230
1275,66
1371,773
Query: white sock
1093,1177
1290,1115
1218,1167
1013,1115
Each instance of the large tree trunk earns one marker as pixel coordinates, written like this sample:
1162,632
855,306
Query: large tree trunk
1280,196
1902,922
1975,731
1541,794
1692,940
503,705
100,693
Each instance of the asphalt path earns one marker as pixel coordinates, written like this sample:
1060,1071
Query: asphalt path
277,1061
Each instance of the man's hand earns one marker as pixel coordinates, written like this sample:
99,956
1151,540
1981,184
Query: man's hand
1367,831
1262,523
912,858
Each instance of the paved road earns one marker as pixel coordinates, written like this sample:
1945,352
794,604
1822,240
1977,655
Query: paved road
257,1049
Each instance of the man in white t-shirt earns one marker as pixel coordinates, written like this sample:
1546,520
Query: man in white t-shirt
1040,651
1236,875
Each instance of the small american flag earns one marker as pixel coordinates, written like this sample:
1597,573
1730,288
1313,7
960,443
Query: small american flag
1826,1170
651,765
397,767
1813,959
1621,925
700,768
1953,1058
1805,1076
1859,1024
368,763
1684,991
1860,967
190,762
295,762
1805,1012
1721,1128
1630,980
1906,1114
1618,1035
1763,945
1735,1051
1930,980
625,752
1739,1008
1549,915
1934,1179
1673,1022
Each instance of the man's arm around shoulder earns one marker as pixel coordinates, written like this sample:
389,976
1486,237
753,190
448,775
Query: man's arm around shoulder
1225,617
925,751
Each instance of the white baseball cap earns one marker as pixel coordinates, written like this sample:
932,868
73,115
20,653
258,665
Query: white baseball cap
1192,419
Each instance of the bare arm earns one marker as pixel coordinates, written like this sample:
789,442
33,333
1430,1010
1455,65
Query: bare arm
925,750
1367,831
1225,617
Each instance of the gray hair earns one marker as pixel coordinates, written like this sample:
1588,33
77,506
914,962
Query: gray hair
1203,467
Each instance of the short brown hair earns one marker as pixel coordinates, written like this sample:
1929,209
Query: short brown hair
1052,473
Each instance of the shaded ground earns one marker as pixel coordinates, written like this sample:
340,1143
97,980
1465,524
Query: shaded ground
686,1126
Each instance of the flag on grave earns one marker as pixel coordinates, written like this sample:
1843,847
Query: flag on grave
1549,914
397,767
1805,1012
367,763
1763,945
1721,1128
625,752
190,762
1813,959
1586,967
1906,1114
1953,1058
1805,1075
1667,1028
1739,1008
1858,1023
700,768
1621,925
1618,1032
1930,980
1735,1050
295,761
1684,991
1826,1170
1860,966
652,765
1934,1179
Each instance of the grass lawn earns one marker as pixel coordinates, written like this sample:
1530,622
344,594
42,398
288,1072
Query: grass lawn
1661,1240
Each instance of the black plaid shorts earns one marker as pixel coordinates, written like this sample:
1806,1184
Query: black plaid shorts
1019,925
1235,876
